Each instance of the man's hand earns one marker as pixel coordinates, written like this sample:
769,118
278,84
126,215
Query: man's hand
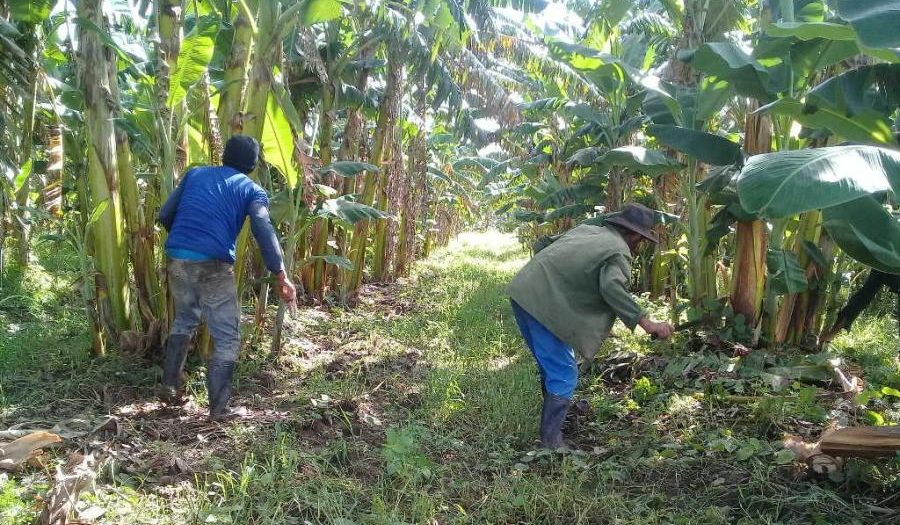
657,329
287,291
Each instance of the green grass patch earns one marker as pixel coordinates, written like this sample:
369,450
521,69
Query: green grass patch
421,406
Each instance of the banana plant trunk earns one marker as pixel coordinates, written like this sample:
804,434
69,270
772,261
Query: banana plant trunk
702,274
387,118
793,319
212,130
615,190
749,269
235,75
267,51
379,248
353,137
666,191
395,192
321,229
110,248
23,229
417,165
139,234
169,29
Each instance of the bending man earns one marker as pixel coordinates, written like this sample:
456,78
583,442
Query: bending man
567,298
204,215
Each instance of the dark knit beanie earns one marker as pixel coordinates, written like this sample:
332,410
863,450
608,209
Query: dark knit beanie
241,153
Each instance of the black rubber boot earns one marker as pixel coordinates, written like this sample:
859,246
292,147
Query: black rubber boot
218,384
173,366
553,416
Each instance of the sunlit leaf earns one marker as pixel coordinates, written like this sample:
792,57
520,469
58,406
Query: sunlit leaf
29,11
316,11
23,175
278,142
98,210
193,59
867,126
790,182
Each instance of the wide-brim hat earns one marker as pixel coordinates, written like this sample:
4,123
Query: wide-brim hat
637,218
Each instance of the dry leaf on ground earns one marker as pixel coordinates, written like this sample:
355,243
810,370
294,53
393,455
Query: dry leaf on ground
21,450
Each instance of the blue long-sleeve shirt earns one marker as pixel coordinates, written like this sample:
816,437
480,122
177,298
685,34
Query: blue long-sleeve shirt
206,211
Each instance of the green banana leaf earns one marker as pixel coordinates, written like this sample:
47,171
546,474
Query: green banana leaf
278,142
790,182
651,162
338,260
865,230
569,211
873,87
868,126
785,272
811,30
529,216
809,56
348,168
705,147
727,61
193,58
349,211
30,11
875,21
316,11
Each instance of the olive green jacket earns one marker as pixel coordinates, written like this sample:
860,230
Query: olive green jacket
577,286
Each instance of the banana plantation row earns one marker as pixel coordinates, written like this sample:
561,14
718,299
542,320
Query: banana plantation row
766,131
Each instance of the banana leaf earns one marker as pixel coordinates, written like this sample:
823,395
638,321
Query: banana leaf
785,272
875,21
727,61
859,90
193,59
316,11
868,126
865,230
811,30
705,147
637,158
348,168
349,211
790,182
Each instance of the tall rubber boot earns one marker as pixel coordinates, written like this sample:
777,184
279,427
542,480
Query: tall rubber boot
173,366
553,416
218,383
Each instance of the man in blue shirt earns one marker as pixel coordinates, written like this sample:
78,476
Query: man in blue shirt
204,215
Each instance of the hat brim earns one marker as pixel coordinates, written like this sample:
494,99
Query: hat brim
647,234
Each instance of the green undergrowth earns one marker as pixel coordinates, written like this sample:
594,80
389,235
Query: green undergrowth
421,406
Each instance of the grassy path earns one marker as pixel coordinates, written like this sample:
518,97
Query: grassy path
420,406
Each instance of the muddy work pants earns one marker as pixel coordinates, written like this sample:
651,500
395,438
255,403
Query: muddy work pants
207,290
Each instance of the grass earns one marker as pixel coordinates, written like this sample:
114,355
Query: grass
421,406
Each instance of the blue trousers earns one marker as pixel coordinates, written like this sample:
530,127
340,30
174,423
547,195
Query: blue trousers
555,359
